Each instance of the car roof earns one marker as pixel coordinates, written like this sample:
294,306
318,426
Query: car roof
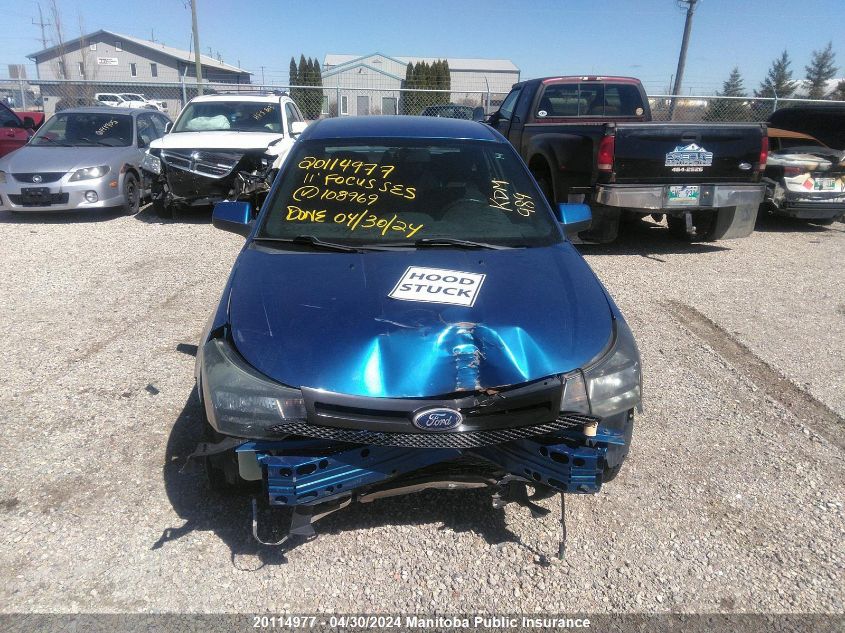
775,132
104,110
392,126
234,96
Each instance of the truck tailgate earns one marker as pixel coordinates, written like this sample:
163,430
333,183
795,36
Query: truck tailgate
687,153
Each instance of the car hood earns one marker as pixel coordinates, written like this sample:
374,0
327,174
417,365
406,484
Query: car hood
30,159
325,320
216,140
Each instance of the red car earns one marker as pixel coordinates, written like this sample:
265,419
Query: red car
14,132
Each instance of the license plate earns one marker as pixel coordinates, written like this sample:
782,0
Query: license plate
825,184
684,194
36,195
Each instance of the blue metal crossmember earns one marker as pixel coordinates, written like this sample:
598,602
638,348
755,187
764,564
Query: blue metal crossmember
574,466
297,479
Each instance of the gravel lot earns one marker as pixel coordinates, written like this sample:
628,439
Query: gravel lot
731,501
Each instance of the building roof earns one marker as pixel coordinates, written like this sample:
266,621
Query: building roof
455,63
398,127
176,53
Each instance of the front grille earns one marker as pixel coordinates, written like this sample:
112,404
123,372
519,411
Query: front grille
203,163
55,198
51,176
525,405
466,439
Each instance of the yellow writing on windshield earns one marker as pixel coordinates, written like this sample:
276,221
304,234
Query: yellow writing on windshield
354,220
504,200
344,165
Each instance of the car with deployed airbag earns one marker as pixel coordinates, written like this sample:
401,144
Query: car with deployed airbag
408,313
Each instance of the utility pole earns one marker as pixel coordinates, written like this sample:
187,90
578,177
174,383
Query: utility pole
682,58
197,62
262,73
42,24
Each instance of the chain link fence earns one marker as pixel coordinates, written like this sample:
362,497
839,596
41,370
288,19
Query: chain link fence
330,101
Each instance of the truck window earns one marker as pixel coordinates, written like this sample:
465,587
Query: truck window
590,100
506,109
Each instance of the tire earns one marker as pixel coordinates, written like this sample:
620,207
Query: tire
221,470
131,194
544,181
826,222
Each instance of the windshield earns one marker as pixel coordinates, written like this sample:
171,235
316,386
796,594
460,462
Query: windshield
131,97
85,129
399,191
241,116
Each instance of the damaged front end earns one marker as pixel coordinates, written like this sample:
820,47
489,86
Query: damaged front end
188,177
316,451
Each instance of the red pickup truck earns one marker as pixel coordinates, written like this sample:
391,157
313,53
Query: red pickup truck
14,131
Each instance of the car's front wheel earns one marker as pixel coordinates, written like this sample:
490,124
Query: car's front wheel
131,194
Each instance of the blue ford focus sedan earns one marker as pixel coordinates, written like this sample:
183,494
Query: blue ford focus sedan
407,313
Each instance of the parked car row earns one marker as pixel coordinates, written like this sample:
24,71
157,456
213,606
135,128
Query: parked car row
584,138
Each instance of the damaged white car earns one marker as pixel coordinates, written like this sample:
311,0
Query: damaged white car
222,147
804,178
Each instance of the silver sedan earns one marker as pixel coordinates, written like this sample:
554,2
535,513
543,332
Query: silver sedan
81,159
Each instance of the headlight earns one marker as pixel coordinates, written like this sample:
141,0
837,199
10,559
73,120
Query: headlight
151,164
238,400
87,173
614,383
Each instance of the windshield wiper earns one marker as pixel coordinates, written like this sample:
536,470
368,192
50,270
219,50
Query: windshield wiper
103,143
51,140
451,241
310,240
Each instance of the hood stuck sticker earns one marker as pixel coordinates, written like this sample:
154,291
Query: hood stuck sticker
436,285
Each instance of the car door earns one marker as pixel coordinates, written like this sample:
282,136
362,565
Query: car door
12,132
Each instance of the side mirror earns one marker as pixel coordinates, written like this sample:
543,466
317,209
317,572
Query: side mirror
478,114
575,217
28,123
168,126
233,216
297,127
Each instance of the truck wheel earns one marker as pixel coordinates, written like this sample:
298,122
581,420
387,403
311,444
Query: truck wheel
131,194
544,181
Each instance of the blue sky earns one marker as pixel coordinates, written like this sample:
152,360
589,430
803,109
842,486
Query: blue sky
543,37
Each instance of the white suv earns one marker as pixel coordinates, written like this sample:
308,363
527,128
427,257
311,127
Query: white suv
223,147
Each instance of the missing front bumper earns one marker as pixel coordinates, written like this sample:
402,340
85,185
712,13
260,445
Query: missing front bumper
309,472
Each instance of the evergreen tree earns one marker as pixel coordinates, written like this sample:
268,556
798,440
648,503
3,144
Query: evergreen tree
302,78
839,93
294,78
729,109
408,101
778,82
447,75
820,70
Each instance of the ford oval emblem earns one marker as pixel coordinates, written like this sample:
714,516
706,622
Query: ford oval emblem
438,419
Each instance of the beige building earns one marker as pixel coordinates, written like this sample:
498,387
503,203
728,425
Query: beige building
373,84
